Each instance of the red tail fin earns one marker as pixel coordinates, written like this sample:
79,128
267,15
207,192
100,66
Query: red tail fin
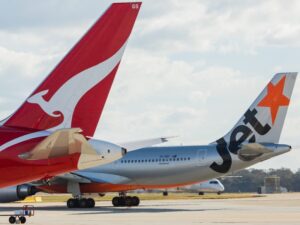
74,93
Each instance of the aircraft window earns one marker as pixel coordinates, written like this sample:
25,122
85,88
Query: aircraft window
135,161
170,159
153,160
163,160
121,161
142,161
174,159
213,182
156,160
189,158
181,159
177,159
184,159
139,160
132,161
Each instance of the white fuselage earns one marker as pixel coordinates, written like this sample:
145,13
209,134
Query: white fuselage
167,166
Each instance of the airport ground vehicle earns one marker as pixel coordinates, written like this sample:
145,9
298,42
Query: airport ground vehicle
19,216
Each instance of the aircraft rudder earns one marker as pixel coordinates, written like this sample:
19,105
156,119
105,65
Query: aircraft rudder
75,92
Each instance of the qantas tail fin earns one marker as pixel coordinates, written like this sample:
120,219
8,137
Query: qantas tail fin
74,93
263,121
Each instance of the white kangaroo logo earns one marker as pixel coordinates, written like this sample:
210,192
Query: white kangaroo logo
68,95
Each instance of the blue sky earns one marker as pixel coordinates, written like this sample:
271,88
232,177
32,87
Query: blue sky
190,69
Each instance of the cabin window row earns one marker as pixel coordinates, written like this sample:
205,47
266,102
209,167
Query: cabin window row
155,160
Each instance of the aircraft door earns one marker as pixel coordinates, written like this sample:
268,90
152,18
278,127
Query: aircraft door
201,157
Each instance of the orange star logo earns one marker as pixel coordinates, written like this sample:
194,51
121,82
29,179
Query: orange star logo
275,98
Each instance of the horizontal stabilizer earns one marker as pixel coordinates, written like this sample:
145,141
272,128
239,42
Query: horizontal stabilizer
251,151
254,148
62,143
134,145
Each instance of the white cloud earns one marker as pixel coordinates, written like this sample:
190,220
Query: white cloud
12,62
224,27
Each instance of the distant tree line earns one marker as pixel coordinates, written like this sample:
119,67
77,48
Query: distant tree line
249,180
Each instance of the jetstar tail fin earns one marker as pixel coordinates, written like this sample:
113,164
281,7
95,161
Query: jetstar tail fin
74,93
263,121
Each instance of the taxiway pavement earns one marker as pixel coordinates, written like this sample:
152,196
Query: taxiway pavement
273,209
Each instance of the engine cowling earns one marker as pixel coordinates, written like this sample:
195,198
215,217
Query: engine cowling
16,193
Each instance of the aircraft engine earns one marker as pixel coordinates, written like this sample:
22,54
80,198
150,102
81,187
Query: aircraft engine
16,193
